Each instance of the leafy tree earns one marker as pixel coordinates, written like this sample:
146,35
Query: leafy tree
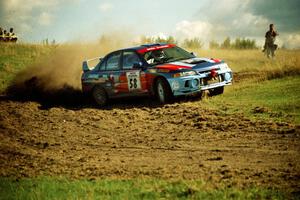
151,40
244,44
194,43
214,45
226,44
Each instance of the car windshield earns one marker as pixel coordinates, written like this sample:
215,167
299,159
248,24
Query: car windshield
166,55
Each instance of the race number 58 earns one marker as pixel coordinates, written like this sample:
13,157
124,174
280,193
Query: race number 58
134,81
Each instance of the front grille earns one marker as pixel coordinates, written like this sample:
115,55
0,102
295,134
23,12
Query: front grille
186,84
208,80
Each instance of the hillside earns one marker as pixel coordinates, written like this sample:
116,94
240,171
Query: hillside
249,136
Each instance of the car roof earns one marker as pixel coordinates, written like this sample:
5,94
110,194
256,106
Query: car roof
146,46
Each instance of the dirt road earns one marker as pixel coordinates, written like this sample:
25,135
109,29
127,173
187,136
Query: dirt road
137,138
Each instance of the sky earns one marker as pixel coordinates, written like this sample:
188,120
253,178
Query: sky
88,20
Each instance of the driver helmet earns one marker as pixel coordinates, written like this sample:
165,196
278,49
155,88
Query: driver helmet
158,54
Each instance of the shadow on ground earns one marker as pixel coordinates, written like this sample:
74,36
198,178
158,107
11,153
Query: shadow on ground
71,98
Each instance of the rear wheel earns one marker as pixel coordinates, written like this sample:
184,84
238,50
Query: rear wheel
216,91
100,96
163,91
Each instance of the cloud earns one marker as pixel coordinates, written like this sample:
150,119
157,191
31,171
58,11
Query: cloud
45,19
25,14
250,18
231,18
105,7
285,14
192,29
292,41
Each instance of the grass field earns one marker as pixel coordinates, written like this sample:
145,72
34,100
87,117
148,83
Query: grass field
275,100
61,188
263,89
14,58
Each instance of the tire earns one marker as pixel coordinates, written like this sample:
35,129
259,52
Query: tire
100,96
216,91
163,91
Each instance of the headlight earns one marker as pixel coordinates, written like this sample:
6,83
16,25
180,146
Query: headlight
185,73
223,66
227,76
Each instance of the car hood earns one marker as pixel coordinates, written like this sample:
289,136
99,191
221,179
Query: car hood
198,64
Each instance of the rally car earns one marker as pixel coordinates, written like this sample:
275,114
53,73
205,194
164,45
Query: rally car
161,70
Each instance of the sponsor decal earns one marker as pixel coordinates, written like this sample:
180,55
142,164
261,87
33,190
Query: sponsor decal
144,50
152,70
164,70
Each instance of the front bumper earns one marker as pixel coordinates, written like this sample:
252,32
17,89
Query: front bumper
195,84
223,78
185,85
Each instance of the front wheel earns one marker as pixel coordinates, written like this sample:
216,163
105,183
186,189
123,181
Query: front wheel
163,91
216,91
100,96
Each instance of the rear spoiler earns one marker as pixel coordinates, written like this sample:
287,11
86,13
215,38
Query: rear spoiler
85,65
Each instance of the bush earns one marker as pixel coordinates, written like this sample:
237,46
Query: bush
194,43
226,44
239,43
214,45
244,44
152,40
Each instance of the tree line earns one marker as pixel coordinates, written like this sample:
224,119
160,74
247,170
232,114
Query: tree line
197,43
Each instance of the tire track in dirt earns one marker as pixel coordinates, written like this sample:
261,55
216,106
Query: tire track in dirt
128,140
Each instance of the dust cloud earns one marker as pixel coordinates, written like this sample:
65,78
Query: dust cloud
58,75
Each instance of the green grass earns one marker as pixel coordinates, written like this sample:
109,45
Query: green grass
16,57
61,188
254,60
276,99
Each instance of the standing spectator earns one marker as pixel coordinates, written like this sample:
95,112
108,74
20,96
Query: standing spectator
12,36
5,36
270,39
1,34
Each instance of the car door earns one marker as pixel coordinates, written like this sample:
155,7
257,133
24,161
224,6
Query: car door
112,73
132,79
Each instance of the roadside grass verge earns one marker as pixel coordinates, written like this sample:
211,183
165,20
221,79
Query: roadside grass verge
254,60
262,87
16,57
63,188
276,99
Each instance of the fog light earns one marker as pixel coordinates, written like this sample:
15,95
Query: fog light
195,83
227,76
175,85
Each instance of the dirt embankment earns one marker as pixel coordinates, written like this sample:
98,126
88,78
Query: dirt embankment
48,128
140,139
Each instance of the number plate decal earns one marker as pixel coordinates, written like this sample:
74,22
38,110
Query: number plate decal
133,79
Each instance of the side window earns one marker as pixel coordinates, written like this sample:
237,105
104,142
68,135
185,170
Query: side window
101,66
129,59
112,62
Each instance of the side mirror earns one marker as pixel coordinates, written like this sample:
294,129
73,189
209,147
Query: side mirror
100,59
194,54
137,65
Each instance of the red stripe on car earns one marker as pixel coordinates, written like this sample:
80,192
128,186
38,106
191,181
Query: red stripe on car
172,67
144,50
216,60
